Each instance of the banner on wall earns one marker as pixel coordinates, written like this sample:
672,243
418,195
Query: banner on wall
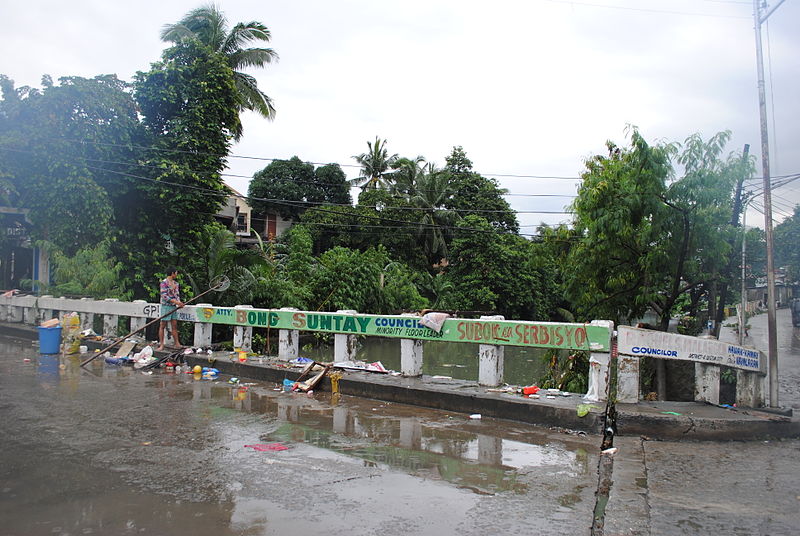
648,343
565,336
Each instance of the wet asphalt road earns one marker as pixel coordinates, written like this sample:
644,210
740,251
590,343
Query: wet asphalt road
114,451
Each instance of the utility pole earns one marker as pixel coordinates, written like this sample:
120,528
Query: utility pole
762,106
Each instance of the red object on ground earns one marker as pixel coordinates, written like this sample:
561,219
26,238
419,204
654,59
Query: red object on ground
532,390
264,447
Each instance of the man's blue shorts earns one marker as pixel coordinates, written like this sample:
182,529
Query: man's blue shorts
166,309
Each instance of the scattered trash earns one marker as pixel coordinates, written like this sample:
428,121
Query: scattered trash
266,447
439,377
671,413
534,396
233,381
53,322
83,349
507,389
434,321
288,385
26,360
377,366
210,373
551,397
530,390
475,416
301,360
584,409
197,368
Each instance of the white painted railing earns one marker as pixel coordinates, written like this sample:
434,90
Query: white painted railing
491,333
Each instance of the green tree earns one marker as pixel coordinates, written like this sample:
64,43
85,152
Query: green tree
290,187
643,240
492,271
63,148
367,281
787,244
375,163
91,272
189,106
209,26
475,194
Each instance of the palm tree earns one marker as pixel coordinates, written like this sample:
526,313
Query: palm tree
374,165
407,176
208,25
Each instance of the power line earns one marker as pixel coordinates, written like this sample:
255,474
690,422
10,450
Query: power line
647,10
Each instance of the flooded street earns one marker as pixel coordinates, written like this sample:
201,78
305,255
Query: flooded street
108,450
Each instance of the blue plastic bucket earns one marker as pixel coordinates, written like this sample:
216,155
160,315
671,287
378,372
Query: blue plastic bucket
50,340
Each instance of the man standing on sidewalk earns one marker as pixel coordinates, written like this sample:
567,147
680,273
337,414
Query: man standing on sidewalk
170,303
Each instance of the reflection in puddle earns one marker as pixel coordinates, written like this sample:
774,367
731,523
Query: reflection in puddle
423,443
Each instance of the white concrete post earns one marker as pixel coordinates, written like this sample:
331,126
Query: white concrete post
706,383
750,389
87,319
4,311
598,376
344,345
491,360
243,335
202,330
15,313
28,316
61,311
138,322
411,355
288,341
627,378
110,321
45,314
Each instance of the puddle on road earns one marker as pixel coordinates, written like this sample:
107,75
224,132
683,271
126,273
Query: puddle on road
183,439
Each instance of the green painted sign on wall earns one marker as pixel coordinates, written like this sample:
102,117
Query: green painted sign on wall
499,332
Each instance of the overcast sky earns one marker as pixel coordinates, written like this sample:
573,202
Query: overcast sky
526,87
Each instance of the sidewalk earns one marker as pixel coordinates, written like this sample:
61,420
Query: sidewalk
656,420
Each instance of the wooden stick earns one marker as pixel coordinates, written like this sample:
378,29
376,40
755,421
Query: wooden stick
119,340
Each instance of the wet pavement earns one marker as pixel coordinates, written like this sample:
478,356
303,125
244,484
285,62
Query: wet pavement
111,450
108,450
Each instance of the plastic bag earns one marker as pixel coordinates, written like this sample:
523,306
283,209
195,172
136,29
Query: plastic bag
71,333
434,321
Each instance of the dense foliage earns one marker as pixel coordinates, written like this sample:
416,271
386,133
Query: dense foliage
127,177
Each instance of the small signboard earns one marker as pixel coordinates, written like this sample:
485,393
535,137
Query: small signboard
648,343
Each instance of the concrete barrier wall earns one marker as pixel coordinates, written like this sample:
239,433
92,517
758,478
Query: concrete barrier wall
491,333
708,355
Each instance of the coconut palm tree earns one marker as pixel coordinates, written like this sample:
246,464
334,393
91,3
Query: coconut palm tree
208,25
374,165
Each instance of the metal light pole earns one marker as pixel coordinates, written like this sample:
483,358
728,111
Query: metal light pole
762,106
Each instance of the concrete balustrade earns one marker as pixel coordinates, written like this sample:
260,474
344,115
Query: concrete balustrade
708,355
491,333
